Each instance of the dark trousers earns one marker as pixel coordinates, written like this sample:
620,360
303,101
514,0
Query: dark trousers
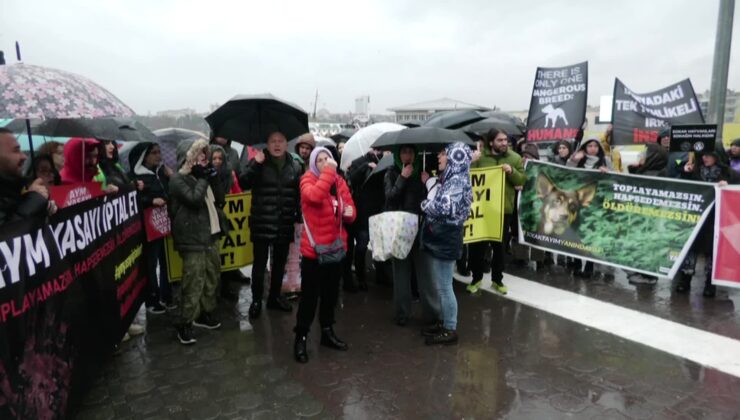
477,253
279,257
357,241
318,283
159,288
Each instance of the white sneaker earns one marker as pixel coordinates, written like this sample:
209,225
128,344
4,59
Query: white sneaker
136,329
125,338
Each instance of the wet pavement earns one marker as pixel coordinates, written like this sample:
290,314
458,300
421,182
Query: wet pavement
512,362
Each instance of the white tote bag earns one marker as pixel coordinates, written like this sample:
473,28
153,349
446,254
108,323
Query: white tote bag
392,234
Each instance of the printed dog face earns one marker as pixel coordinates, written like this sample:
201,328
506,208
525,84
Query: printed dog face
560,208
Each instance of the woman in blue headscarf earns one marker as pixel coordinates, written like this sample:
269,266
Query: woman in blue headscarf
446,209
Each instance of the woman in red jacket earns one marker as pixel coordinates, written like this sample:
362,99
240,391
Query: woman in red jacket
327,208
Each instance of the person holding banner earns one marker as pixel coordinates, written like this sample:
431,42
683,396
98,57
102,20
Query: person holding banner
197,222
327,207
446,209
273,176
707,169
18,201
590,155
404,191
735,157
145,161
496,152
80,161
110,171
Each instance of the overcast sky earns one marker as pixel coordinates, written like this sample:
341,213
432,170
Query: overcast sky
166,54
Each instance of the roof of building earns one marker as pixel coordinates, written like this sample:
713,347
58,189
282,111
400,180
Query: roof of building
443,104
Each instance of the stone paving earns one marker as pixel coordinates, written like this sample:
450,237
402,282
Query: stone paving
512,362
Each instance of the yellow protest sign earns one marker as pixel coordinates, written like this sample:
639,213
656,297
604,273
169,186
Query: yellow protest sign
235,248
486,219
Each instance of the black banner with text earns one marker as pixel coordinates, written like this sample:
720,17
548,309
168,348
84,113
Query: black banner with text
69,289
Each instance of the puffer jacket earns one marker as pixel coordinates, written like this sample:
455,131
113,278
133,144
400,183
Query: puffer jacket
191,230
156,183
318,205
515,179
275,199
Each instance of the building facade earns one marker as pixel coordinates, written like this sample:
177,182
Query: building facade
423,110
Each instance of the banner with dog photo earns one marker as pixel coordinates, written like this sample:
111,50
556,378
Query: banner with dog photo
558,106
633,222
637,118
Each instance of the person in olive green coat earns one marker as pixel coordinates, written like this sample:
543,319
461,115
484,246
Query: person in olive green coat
496,153
196,201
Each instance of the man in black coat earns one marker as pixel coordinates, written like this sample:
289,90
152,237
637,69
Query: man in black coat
15,204
273,176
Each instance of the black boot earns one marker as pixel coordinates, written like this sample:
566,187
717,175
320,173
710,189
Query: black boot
185,333
444,336
255,309
710,290
684,283
299,348
279,303
329,339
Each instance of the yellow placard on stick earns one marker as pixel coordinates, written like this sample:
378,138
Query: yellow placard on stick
486,219
235,248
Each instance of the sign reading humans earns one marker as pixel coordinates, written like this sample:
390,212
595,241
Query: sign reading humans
632,222
558,105
638,117
235,248
486,219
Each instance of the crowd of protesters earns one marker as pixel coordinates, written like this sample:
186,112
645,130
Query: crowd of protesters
305,187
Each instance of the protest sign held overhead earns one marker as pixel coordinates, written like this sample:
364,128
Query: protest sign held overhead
633,222
693,138
639,117
558,106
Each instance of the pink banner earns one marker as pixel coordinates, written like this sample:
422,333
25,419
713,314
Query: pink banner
157,222
726,269
71,194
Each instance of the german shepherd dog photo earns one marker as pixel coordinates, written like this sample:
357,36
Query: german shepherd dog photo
559,212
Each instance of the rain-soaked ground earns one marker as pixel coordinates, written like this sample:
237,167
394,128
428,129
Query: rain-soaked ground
513,362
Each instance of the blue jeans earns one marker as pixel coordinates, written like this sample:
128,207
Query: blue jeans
440,272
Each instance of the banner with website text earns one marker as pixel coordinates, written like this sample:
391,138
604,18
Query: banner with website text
726,269
638,117
235,248
632,222
69,289
558,106
486,219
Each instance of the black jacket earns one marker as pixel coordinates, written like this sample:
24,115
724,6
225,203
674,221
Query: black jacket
15,206
403,194
156,183
276,199
368,195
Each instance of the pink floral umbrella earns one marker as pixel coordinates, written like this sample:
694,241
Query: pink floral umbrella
28,91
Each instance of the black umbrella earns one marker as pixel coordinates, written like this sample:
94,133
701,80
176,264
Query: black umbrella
102,128
382,166
454,119
497,119
413,124
343,135
428,138
132,130
249,119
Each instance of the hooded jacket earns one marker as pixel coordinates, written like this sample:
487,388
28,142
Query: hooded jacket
276,198
110,171
447,211
590,162
191,226
75,151
403,194
556,156
515,179
227,175
232,157
156,183
656,160
322,207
